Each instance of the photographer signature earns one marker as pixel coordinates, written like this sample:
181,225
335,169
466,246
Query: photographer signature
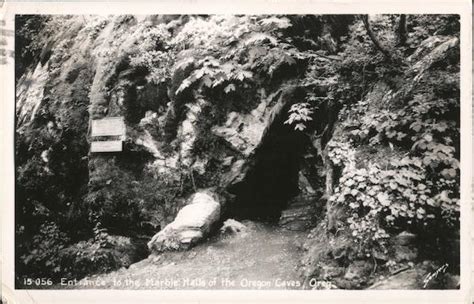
433,275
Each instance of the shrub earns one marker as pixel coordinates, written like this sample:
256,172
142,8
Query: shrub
95,255
153,53
43,257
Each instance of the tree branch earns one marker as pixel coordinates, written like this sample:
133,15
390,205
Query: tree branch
385,52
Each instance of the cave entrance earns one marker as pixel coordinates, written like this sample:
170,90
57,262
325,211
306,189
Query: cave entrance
272,179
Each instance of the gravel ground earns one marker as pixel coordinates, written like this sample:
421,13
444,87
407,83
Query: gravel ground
264,257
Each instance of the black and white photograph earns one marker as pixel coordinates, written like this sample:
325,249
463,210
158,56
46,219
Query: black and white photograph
237,152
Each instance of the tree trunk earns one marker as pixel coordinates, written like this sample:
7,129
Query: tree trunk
402,30
385,52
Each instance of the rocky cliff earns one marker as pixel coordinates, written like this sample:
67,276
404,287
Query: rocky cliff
300,121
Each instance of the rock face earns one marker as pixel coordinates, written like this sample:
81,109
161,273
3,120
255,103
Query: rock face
178,140
300,214
404,247
358,270
302,211
410,279
193,222
244,131
232,226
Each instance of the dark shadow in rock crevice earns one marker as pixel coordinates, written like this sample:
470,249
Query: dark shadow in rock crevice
272,179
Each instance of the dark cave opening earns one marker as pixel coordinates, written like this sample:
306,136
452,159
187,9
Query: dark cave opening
272,179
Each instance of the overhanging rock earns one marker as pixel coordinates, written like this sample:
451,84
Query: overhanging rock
192,223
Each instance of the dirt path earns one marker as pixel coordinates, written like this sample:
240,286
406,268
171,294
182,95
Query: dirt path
265,257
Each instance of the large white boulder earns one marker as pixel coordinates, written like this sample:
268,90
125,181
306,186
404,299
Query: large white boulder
192,223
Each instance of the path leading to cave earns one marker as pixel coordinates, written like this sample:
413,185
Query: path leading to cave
266,257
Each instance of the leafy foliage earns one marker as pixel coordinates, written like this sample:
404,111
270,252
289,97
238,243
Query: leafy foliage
152,53
43,259
299,114
395,145
400,159
28,43
233,53
88,257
